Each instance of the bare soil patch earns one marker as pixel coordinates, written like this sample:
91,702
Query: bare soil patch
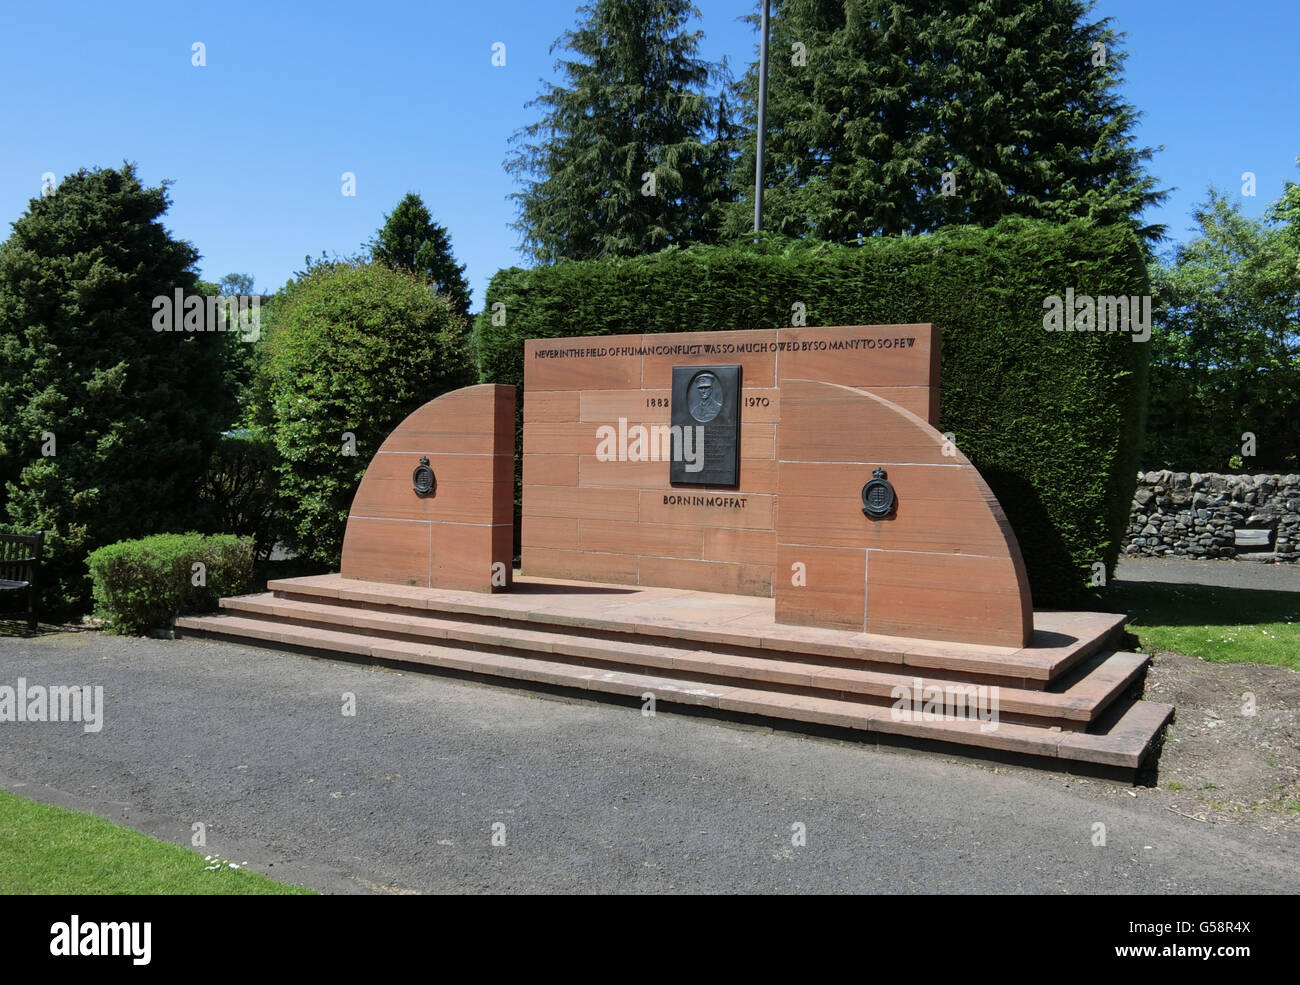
1221,762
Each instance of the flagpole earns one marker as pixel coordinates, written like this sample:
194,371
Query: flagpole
762,118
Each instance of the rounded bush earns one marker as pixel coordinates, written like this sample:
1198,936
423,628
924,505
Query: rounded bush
352,349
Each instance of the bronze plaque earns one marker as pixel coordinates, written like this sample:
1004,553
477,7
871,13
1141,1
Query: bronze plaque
422,480
878,497
706,426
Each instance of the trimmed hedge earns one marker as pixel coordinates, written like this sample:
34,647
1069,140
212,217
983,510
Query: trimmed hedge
144,584
1053,420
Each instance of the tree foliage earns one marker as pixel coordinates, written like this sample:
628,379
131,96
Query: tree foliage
105,423
632,152
235,284
241,349
1225,356
353,348
240,490
871,103
410,240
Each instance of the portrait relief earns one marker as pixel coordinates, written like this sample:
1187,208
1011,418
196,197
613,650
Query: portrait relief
704,397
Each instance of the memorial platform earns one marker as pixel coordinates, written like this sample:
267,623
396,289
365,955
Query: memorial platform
1068,699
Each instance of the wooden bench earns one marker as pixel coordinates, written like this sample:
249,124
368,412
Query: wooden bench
20,568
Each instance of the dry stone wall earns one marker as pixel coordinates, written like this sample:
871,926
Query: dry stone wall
1199,514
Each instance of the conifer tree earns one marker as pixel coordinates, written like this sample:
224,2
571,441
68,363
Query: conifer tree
889,119
411,241
632,152
106,422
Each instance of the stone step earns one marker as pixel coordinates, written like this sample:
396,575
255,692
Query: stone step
1099,681
1061,639
1124,743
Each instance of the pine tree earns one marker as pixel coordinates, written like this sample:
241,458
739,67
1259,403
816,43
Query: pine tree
106,422
410,240
890,119
632,152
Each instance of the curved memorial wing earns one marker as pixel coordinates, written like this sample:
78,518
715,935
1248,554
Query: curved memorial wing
435,508
942,563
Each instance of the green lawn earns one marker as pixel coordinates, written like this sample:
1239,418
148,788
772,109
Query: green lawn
1224,625
52,850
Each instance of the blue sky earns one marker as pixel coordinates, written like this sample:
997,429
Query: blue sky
405,96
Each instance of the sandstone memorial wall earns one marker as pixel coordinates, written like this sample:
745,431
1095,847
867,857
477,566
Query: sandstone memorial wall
767,523
819,410
458,532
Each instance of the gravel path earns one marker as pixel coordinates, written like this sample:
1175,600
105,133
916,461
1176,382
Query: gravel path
404,796
1222,573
